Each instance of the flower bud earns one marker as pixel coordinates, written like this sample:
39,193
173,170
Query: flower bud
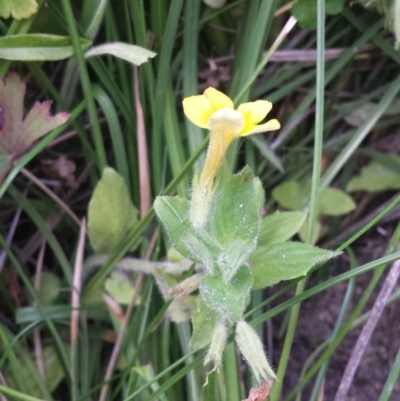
251,348
217,346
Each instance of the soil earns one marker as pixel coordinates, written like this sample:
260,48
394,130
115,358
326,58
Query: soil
315,325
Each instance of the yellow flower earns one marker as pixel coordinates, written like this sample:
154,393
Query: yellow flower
215,111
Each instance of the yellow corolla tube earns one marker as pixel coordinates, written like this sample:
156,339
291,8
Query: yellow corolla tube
214,110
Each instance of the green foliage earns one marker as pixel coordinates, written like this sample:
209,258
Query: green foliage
111,214
119,287
376,177
234,220
18,9
306,11
231,230
112,114
38,47
174,214
229,299
204,322
271,264
49,289
331,201
133,54
335,202
291,195
280,226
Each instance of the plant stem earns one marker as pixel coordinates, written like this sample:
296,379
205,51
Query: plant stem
318,141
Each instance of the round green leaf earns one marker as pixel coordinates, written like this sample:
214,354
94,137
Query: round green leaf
49,288
335,202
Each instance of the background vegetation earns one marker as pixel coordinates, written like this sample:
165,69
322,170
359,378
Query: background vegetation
335,91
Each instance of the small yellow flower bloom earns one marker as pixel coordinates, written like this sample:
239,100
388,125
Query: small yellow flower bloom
215,111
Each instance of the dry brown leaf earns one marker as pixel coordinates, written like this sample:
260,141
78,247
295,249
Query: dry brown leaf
259,393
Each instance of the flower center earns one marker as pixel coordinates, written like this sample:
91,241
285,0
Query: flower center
226,120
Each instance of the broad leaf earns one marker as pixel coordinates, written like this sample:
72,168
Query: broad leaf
133,54
274,263
38,47
280,226
204,322
229,299
306,11
17,133
291,195
119,287
317,233
24,367
197,246
234,221
375,177
332,201
335,202
49,289
111,215
18,9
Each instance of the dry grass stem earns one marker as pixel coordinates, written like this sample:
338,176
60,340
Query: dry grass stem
367,331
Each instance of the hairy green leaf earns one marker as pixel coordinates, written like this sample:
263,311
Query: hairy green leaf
235,221
192,244
204,322
274,263
229,299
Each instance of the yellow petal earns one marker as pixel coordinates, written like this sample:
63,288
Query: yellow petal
270,125
217,99
220,140
198,110
256,111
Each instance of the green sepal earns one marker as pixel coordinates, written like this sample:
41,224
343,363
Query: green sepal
228,299
280,226
274,263
204,323
234,221
192,244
